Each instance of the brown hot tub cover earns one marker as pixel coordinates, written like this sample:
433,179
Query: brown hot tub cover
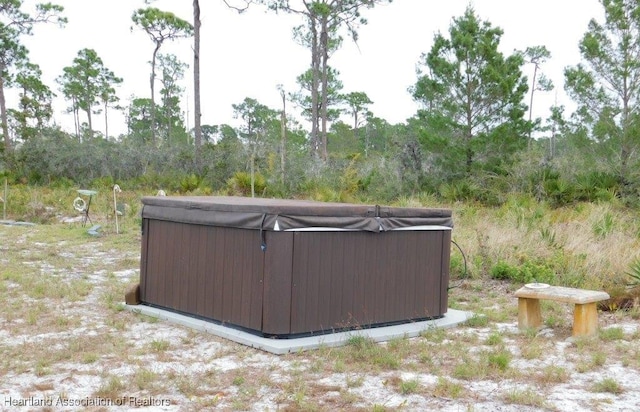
284,214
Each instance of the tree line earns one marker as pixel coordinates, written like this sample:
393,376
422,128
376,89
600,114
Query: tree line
473,137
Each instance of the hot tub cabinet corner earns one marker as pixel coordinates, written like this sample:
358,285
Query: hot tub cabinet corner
274,267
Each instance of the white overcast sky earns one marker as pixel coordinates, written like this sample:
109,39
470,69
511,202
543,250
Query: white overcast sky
247,55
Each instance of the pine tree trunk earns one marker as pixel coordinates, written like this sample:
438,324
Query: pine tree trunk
153,95
324,39
106,121
196,81
533,89
89,123
3,116
315,82
283,136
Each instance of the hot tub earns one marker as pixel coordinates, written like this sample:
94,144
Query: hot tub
285,268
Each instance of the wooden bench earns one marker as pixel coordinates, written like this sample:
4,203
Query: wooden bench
585,315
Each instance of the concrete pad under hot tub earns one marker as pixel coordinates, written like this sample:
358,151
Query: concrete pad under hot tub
282,346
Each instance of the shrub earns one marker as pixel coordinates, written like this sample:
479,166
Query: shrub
595,186
634,273
461,190
604,226
190,183
527,272
608,385
240,184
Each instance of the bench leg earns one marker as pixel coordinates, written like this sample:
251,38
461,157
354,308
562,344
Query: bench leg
585,319
529,313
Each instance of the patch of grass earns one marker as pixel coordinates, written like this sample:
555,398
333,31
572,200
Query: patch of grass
499,315
188,385
159,345
446,388
586,343
477,321
495,338
410,386
499,359
595,360
405,387
526,397
145,379
33,314
435,335
608,385
611,334
469,369
339,366
354,382
366,351
297,391
43,367
111,388
604,226
598,359
209,402
532,349
553,374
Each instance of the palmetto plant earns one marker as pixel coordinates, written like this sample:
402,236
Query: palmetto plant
634,273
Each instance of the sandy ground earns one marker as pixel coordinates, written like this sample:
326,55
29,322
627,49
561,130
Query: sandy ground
104,358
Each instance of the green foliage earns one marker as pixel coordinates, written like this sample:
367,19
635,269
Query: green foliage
457,268
408,387
599,85
499,359
611,334
528,397
448,388
190,183
604,226
87,83
240,184
14,23
34,109
463,190
596,185
548,184
634,273
477,321
549,236
527,272
608,385
559,192
303,98
161,25
466,73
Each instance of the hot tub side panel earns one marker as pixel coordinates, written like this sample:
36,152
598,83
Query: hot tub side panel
276,316
211,272
445,265
358,279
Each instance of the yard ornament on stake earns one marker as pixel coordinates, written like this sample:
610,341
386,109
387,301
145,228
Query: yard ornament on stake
116,212
79,204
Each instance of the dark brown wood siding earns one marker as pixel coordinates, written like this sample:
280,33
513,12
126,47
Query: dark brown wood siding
208,271
304,282
276,317
358,279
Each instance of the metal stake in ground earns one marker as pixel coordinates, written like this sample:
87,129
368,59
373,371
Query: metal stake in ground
116,189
